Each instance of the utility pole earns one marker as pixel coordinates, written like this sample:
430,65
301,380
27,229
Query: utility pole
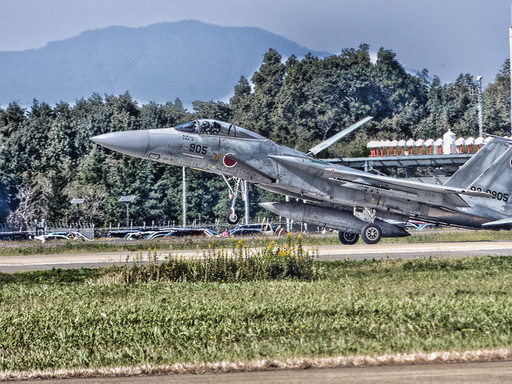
246,199
184,196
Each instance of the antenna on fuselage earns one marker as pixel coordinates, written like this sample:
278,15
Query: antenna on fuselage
329,142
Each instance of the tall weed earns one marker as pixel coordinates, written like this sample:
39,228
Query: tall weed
237,264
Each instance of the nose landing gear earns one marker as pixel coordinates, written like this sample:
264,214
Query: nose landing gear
233,216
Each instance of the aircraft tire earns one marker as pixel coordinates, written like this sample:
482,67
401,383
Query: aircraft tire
371,233
233,217
347,238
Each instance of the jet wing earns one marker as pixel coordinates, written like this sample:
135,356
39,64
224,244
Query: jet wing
362,179
252,174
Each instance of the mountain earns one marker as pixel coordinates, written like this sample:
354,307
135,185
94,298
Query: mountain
161,62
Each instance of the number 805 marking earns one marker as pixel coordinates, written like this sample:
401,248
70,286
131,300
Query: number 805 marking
198,149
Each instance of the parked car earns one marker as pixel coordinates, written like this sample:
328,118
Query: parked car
137,235
187,233
50,237
266,228
157,234
119,234
13,236
71,235
239,232
211,232
62,235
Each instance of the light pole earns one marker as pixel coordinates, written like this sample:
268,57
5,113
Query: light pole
480,114
476,89
127,200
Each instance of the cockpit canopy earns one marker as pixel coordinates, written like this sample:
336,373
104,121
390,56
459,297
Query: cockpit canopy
218,128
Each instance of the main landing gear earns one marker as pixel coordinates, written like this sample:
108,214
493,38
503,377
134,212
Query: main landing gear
371,234
233,216
347,238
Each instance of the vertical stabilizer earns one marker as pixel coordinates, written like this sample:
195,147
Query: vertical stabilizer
491,165
490,171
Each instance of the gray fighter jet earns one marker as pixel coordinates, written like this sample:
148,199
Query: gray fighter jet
352,201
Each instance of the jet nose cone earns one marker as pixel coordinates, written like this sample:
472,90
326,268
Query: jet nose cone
134,143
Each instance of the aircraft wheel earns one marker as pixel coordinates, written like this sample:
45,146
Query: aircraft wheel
347,238
371,233
233,217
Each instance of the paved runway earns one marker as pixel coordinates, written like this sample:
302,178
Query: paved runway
362,251
359,251
487,372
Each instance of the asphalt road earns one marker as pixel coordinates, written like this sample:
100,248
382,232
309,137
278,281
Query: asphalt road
329,252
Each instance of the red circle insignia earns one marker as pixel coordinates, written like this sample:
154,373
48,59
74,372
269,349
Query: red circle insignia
228,161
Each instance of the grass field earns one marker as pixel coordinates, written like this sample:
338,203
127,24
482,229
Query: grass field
93,318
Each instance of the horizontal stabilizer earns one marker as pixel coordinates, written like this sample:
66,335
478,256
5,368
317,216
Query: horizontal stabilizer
327,143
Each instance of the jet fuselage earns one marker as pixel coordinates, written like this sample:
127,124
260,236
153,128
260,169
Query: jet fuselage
232,151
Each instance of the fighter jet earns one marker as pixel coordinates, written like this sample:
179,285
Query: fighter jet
354,202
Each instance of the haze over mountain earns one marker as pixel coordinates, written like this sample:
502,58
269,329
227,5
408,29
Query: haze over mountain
189,60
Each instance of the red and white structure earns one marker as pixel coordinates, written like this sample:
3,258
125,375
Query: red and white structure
447,145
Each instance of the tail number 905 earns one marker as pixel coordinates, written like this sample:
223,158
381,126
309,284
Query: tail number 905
495,195
202,149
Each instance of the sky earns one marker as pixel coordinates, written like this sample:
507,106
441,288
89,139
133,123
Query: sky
447,37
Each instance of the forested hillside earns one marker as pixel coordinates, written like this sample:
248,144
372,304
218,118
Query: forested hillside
156,63
46,158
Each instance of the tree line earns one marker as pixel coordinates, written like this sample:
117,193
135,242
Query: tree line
47,159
